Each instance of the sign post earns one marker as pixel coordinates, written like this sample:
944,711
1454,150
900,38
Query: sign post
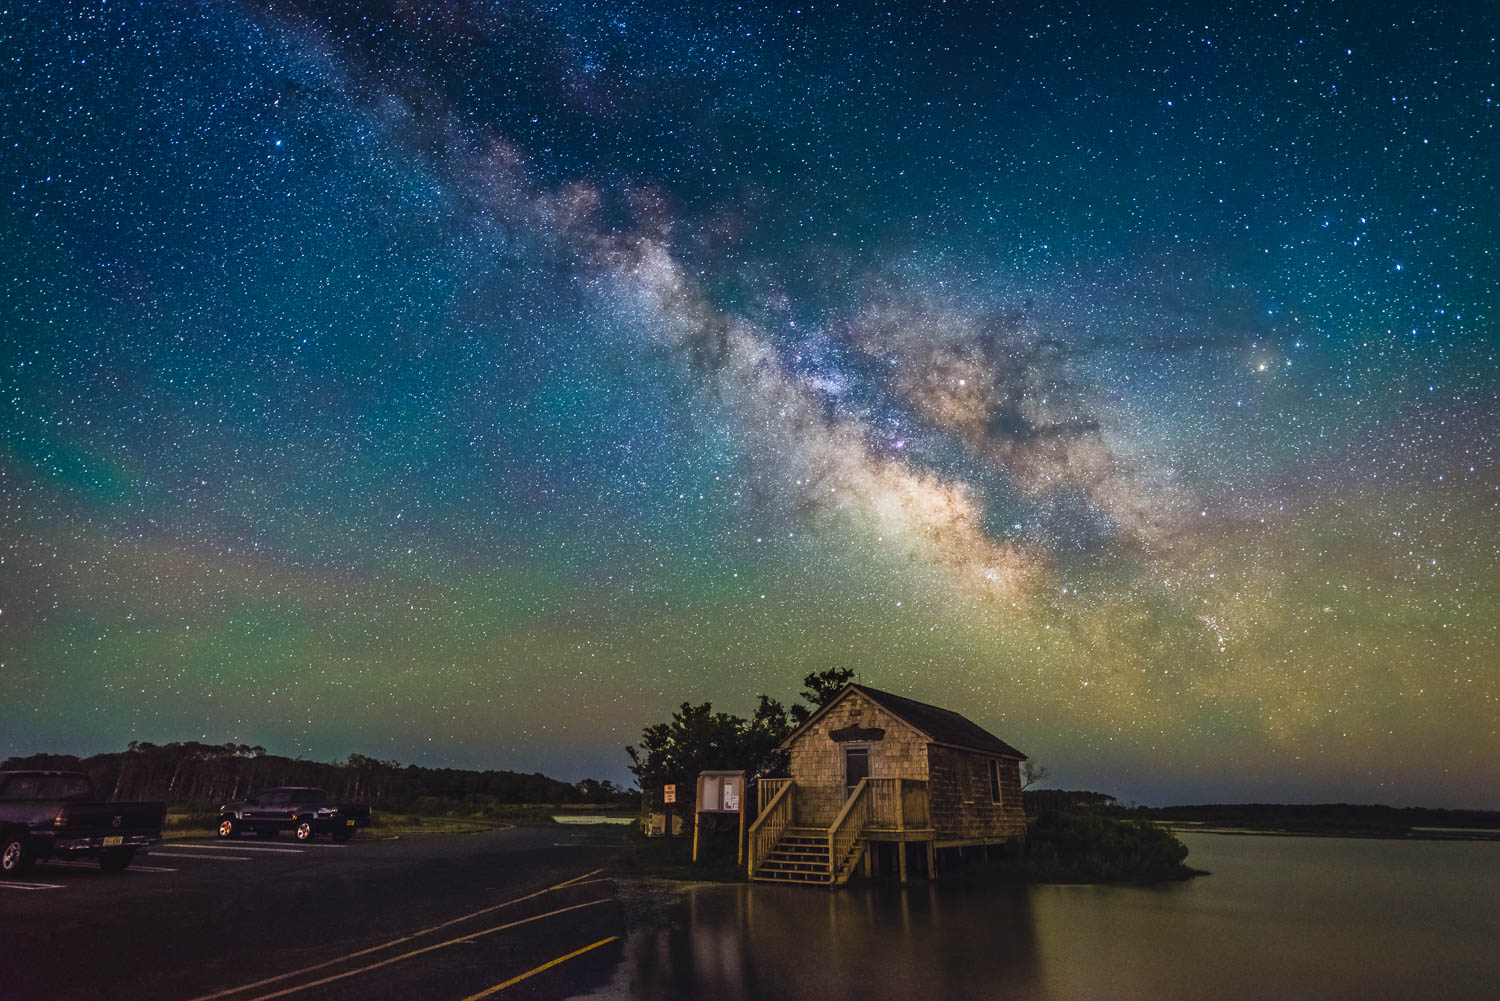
668,797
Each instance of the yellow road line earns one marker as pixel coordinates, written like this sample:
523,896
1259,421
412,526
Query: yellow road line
575,881
545,966
426,948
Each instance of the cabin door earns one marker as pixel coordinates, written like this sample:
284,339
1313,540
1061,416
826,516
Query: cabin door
856,767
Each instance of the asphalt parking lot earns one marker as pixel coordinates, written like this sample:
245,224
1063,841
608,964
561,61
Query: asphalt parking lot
520,913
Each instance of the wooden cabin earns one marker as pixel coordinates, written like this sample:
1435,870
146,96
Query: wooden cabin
872,770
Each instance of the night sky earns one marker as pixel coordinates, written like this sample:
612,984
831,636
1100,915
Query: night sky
471,383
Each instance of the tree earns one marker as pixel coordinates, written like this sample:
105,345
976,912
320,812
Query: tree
1032,773
818,690
697,739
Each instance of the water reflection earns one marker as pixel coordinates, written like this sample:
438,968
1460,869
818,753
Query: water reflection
739,943
1320,919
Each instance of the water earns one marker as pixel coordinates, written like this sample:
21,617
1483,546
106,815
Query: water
1280,918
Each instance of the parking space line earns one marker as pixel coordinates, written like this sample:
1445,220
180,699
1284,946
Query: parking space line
425,949
204,858
575,881
315,844
93,865
12,885
586,844
545,966
236,848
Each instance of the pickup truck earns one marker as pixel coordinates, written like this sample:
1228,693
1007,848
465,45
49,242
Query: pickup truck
303,810
46,814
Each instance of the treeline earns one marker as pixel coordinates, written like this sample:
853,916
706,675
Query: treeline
1044,801
1320,818
195,776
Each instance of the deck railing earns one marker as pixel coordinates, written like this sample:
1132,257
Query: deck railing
844,833
885,803
775,817
914,804
898,804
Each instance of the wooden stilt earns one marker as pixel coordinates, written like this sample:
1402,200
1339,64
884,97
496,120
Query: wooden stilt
901,860
932,860
868,863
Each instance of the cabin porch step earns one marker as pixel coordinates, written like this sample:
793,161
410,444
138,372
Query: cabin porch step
801,857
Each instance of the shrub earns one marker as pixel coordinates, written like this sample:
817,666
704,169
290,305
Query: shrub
1075,847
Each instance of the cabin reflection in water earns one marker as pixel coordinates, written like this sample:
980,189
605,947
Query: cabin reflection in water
758,942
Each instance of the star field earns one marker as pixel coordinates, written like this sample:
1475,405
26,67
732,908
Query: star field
471,383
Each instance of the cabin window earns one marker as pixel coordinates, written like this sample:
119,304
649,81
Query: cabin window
994,781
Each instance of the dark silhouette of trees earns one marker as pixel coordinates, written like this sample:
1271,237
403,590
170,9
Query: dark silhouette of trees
697,739
818,689
1032,772
197,776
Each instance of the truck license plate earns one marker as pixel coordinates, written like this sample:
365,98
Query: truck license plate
114,841
348,823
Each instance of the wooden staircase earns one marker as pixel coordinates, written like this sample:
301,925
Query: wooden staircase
781,851
801,856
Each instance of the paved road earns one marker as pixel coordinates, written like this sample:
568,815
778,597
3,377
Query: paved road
445,918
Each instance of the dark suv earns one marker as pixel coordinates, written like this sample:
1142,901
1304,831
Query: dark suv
303,810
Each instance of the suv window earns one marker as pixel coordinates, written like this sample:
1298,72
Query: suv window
45,787
65,787
22,787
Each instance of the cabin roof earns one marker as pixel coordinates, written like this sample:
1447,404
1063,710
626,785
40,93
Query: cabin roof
939,725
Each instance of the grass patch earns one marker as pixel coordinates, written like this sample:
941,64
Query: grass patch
672,858
201,823
387,825
190,822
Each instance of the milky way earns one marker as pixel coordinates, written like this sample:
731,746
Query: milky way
471,384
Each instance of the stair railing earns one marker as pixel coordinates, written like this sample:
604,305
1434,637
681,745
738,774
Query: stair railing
766,790
844,834
775,817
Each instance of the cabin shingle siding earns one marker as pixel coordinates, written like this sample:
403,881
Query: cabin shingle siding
962,803
817,760
967,812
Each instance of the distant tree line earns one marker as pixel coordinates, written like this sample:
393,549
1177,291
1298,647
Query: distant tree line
1320,818
195,776
1043,801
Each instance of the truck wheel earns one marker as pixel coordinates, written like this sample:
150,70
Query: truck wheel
304,830
229,827
116,859
16,855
